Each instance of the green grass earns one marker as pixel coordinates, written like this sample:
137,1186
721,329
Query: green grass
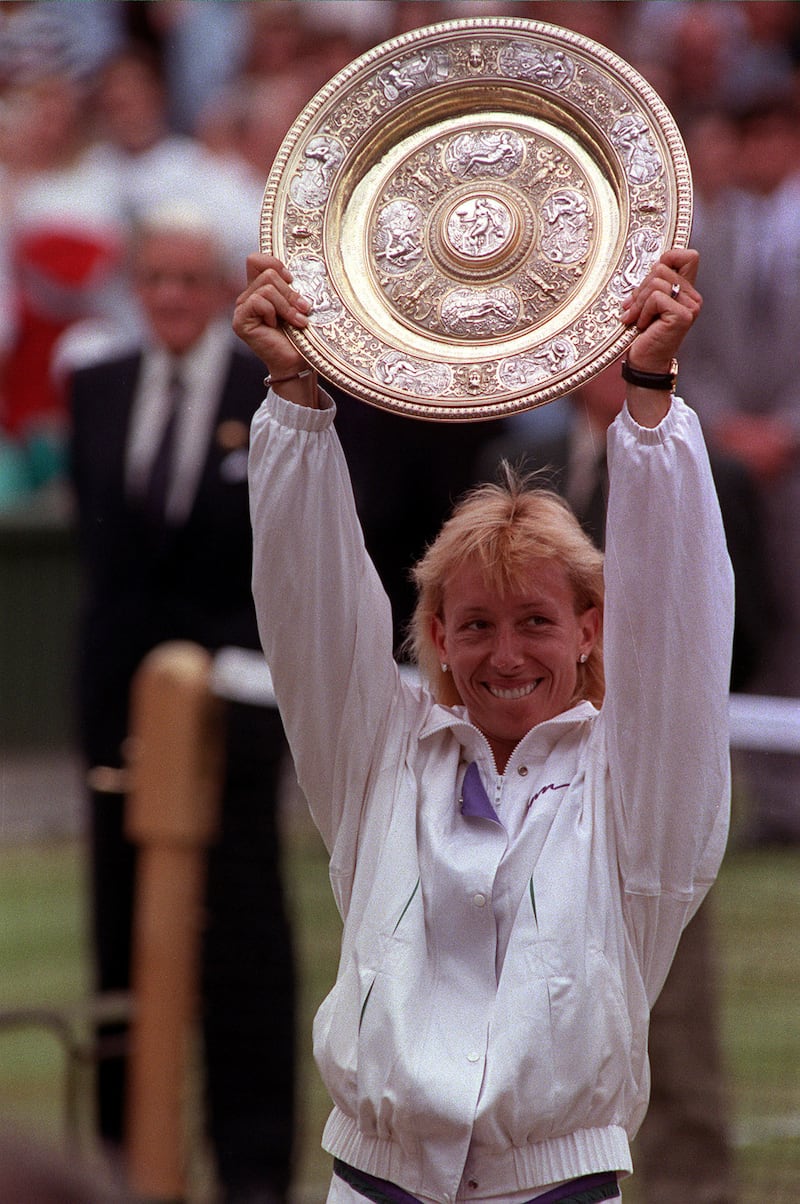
757,901
317,929
43,964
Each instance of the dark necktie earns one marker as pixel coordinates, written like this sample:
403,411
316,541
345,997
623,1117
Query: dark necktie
158,482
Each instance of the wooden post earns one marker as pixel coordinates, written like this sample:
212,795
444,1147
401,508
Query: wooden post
176,763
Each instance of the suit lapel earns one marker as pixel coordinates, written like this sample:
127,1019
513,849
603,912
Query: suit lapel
225,461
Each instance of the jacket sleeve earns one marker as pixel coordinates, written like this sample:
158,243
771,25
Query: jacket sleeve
668,634
324,618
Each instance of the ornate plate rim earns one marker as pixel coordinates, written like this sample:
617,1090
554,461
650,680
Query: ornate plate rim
675,166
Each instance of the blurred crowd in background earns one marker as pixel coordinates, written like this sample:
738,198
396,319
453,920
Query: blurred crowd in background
107,108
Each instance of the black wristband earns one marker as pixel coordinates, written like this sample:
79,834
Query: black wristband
665,382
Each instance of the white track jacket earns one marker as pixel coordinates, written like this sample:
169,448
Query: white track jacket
490,1013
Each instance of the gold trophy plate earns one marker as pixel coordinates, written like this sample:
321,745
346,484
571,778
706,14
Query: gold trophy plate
467,206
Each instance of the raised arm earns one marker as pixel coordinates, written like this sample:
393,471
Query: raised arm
324,619
668,633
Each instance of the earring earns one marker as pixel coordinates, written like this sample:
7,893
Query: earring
583,658
445,667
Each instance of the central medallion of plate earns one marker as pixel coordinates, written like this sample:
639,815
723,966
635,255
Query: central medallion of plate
480,229
482,234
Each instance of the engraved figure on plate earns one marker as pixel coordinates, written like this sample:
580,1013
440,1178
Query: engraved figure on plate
401,372
311,279
565,238
406,76
475,57
524,370
641,251
479,227
397,243
478,380
485,152
631,136
553,68
413,296
471,314
311,187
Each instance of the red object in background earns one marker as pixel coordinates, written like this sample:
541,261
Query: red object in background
59,273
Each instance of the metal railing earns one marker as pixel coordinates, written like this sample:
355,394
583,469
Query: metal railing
756,722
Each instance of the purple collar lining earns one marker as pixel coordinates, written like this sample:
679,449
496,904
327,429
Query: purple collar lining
474,800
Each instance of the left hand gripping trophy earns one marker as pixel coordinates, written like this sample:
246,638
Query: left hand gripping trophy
467,207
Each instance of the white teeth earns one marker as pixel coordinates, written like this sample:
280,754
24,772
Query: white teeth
519,692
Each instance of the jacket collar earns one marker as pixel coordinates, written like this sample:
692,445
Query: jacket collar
538,743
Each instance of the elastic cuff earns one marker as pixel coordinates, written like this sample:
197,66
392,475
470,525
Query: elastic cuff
301,418
655,434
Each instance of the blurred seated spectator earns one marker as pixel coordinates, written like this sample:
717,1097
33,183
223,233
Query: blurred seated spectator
62,241
277,40
703,55
78,36
243,127
153,165
336,32
605,21
201,46
712,144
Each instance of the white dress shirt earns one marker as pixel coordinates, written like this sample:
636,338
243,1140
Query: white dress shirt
202,370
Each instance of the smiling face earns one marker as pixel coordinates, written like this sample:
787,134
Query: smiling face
180,285
513,657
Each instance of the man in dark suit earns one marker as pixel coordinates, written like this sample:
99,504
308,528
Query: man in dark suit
158,461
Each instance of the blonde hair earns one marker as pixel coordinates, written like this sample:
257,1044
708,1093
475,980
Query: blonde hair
503,527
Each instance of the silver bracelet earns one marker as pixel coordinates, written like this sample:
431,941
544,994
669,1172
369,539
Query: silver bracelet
269,381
